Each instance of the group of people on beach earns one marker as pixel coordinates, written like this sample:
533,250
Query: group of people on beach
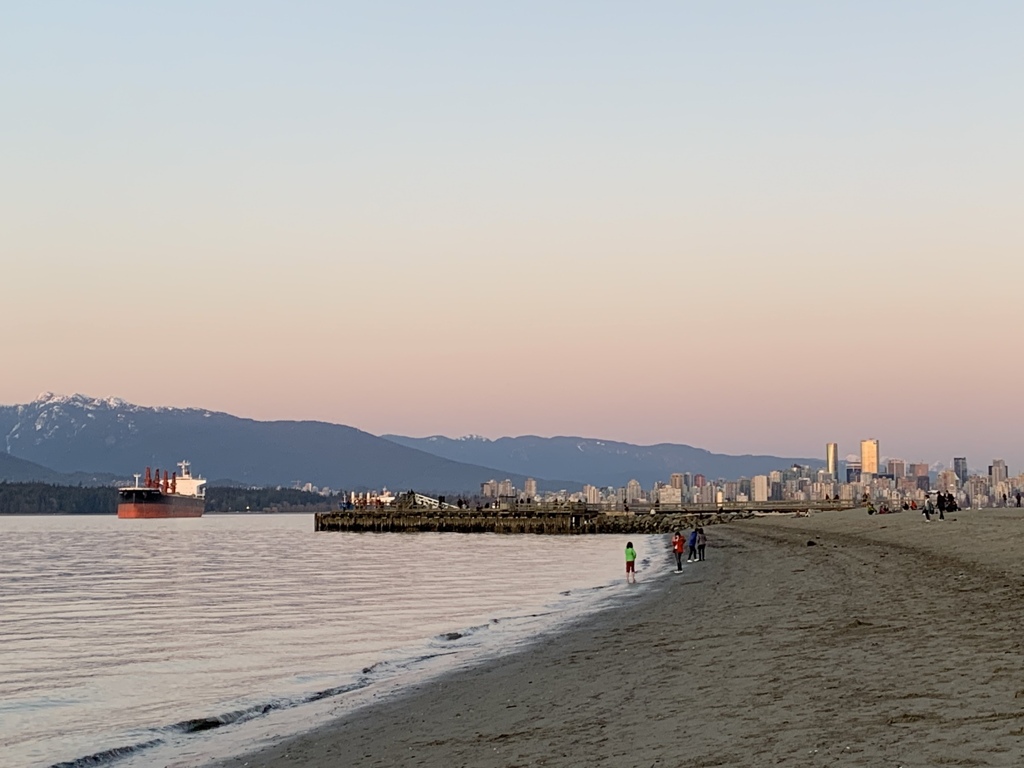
692,546
944,503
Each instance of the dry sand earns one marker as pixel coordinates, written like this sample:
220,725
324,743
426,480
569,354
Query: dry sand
891,642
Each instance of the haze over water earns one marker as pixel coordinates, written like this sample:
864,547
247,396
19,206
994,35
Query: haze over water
181,638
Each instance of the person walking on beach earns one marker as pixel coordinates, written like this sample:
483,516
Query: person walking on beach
678,545
929,510
630,563
691,552
702,541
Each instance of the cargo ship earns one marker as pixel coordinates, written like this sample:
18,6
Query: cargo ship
174,496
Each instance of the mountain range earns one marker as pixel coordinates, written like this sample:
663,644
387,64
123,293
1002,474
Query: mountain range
76,433
15,470
597,462
79,439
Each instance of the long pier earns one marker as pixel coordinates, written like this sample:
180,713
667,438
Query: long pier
553,519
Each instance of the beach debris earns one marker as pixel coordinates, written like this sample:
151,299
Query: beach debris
812,543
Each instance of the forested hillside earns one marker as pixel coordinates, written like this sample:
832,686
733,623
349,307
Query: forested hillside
44,499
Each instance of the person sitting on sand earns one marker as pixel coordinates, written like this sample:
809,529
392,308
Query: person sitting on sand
678,545
630,562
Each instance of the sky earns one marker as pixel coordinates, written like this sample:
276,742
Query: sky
745,226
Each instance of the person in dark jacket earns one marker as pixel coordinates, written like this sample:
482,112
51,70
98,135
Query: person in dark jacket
691,552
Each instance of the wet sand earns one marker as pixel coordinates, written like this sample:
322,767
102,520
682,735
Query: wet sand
890,642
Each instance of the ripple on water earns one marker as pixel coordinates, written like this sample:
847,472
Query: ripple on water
148,632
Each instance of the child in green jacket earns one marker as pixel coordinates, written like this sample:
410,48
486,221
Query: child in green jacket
630,563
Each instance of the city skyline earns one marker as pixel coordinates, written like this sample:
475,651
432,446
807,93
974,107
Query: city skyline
751,228
902,486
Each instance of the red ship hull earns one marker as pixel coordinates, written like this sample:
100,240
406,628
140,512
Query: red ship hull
158,505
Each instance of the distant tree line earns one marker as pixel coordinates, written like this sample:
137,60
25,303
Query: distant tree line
43,499
268,500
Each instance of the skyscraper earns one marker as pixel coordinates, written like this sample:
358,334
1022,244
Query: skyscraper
960,469
897,468
634,492
676,480
947,481
997,472
759,487
832,460
869,457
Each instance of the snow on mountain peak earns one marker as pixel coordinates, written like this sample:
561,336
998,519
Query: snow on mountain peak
49,398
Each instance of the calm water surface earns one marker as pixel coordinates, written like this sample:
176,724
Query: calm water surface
142,642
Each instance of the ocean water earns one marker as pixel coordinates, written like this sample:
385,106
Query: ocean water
173,642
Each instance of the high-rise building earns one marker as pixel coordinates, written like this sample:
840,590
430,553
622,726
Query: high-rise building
505,488
997,472
832,459
687,480
960,469
634,492
897,468
670,495
530,488
852,471
489,489
869,457
918,470
947,481
592,494
676,480
759,487
699,481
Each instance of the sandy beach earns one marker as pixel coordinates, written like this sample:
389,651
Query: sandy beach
888,642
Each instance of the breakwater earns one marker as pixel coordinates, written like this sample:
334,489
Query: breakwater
487,521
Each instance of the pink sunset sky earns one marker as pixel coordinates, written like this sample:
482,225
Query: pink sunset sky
747,227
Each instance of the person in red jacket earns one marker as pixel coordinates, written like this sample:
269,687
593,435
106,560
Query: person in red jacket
678,547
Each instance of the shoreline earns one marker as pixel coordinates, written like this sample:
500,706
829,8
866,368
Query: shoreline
882,644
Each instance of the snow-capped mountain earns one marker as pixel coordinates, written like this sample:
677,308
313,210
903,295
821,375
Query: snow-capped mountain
71,433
